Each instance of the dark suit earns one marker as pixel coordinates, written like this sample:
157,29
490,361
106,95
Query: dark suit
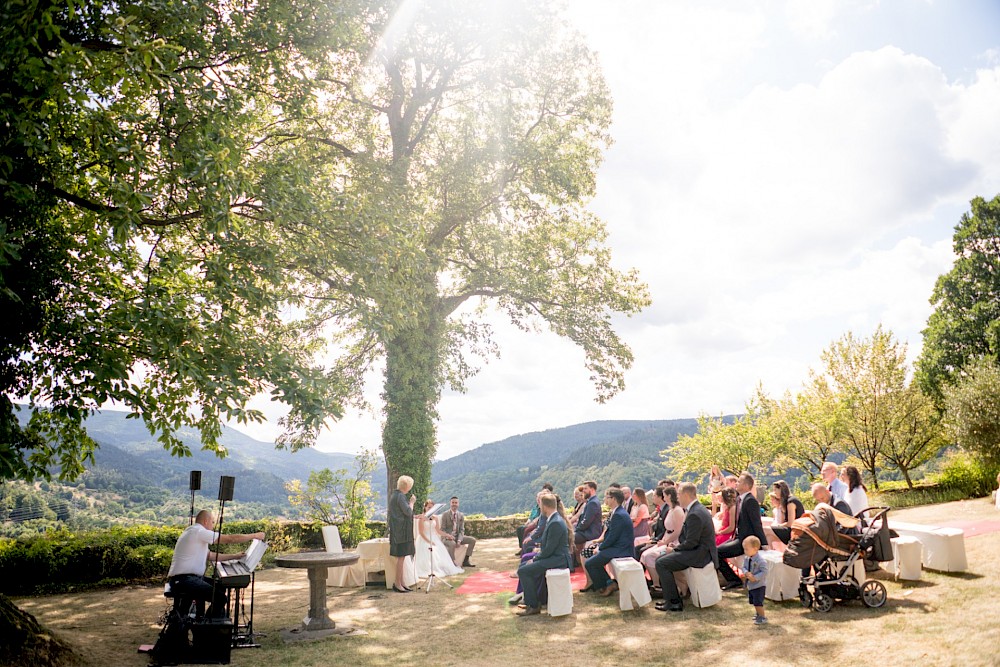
617,543
695,549
588,527
747,523
554,554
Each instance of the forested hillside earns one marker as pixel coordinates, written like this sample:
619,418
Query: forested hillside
503,477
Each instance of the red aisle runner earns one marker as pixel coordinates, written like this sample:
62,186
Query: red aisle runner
490,581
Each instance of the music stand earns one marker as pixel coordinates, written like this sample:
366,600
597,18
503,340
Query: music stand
432,577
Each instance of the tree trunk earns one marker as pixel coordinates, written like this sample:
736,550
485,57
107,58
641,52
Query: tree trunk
24,642
906,475
411,393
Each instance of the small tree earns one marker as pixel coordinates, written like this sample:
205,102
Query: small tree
972,410
917,434
338,497
814,425
750,442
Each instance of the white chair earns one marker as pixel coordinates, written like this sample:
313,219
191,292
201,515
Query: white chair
351,576
906,553
631,583
943,549
782,580
703,583
560,592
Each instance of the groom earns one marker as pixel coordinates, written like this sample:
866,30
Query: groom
453,523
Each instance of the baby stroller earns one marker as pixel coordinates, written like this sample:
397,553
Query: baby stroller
817,542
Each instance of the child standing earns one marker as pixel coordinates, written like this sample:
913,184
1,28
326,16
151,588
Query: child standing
754,576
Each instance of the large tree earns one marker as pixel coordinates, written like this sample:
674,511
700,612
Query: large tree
136,245
461,140
965,324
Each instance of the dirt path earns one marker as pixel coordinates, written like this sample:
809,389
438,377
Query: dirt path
947,619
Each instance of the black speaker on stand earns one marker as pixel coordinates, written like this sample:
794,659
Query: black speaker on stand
195,485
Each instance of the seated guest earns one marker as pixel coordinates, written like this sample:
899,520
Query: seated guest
532,540
627,505
821,494
640,516
832,479
532,521
588,526
590,548
696,547
192,555
673,519
857,496
656,527
789,509
725,527
579,498
747,523
554,554
666,482
618,543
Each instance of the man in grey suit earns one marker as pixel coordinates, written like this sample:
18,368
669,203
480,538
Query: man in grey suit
696,547
453,523
554,554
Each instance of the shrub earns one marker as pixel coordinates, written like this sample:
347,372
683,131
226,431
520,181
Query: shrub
966,474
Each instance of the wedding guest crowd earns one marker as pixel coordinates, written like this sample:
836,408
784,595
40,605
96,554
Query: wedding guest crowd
668,530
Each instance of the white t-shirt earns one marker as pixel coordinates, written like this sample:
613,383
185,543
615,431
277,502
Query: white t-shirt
191,552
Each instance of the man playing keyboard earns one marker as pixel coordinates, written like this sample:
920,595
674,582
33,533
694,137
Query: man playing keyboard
187,568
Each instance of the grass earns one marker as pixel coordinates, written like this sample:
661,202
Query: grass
944,619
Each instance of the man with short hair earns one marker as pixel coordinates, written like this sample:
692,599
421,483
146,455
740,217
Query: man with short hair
531,524
186,575
617,543
453,525
588,526
821,494
831,476
747,523
554,554
695,549
629,501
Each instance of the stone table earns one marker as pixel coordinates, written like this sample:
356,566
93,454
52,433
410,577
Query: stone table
317,562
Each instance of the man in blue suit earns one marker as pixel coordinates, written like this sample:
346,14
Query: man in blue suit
554,554
588,526
617,543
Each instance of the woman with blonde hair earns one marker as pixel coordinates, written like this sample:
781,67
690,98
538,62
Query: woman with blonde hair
400,525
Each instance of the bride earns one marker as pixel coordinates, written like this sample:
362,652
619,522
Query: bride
428,535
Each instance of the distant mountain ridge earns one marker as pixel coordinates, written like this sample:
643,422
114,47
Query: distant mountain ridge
503,477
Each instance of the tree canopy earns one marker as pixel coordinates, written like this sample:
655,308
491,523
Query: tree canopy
965,324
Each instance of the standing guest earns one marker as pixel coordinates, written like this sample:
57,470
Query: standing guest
453,527
400,525
588,527
755,577
192,555
672,523
629,502
747,523
695,549
790,507
618,543
829,473
640,516
715,483
726,526
532,521
554,554
857,496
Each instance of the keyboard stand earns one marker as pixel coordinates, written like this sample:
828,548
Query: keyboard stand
243,635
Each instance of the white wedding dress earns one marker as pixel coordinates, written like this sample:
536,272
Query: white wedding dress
444,566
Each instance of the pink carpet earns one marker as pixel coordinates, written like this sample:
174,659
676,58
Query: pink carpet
491,581
971,528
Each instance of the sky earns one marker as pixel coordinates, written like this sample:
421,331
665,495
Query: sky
782,173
